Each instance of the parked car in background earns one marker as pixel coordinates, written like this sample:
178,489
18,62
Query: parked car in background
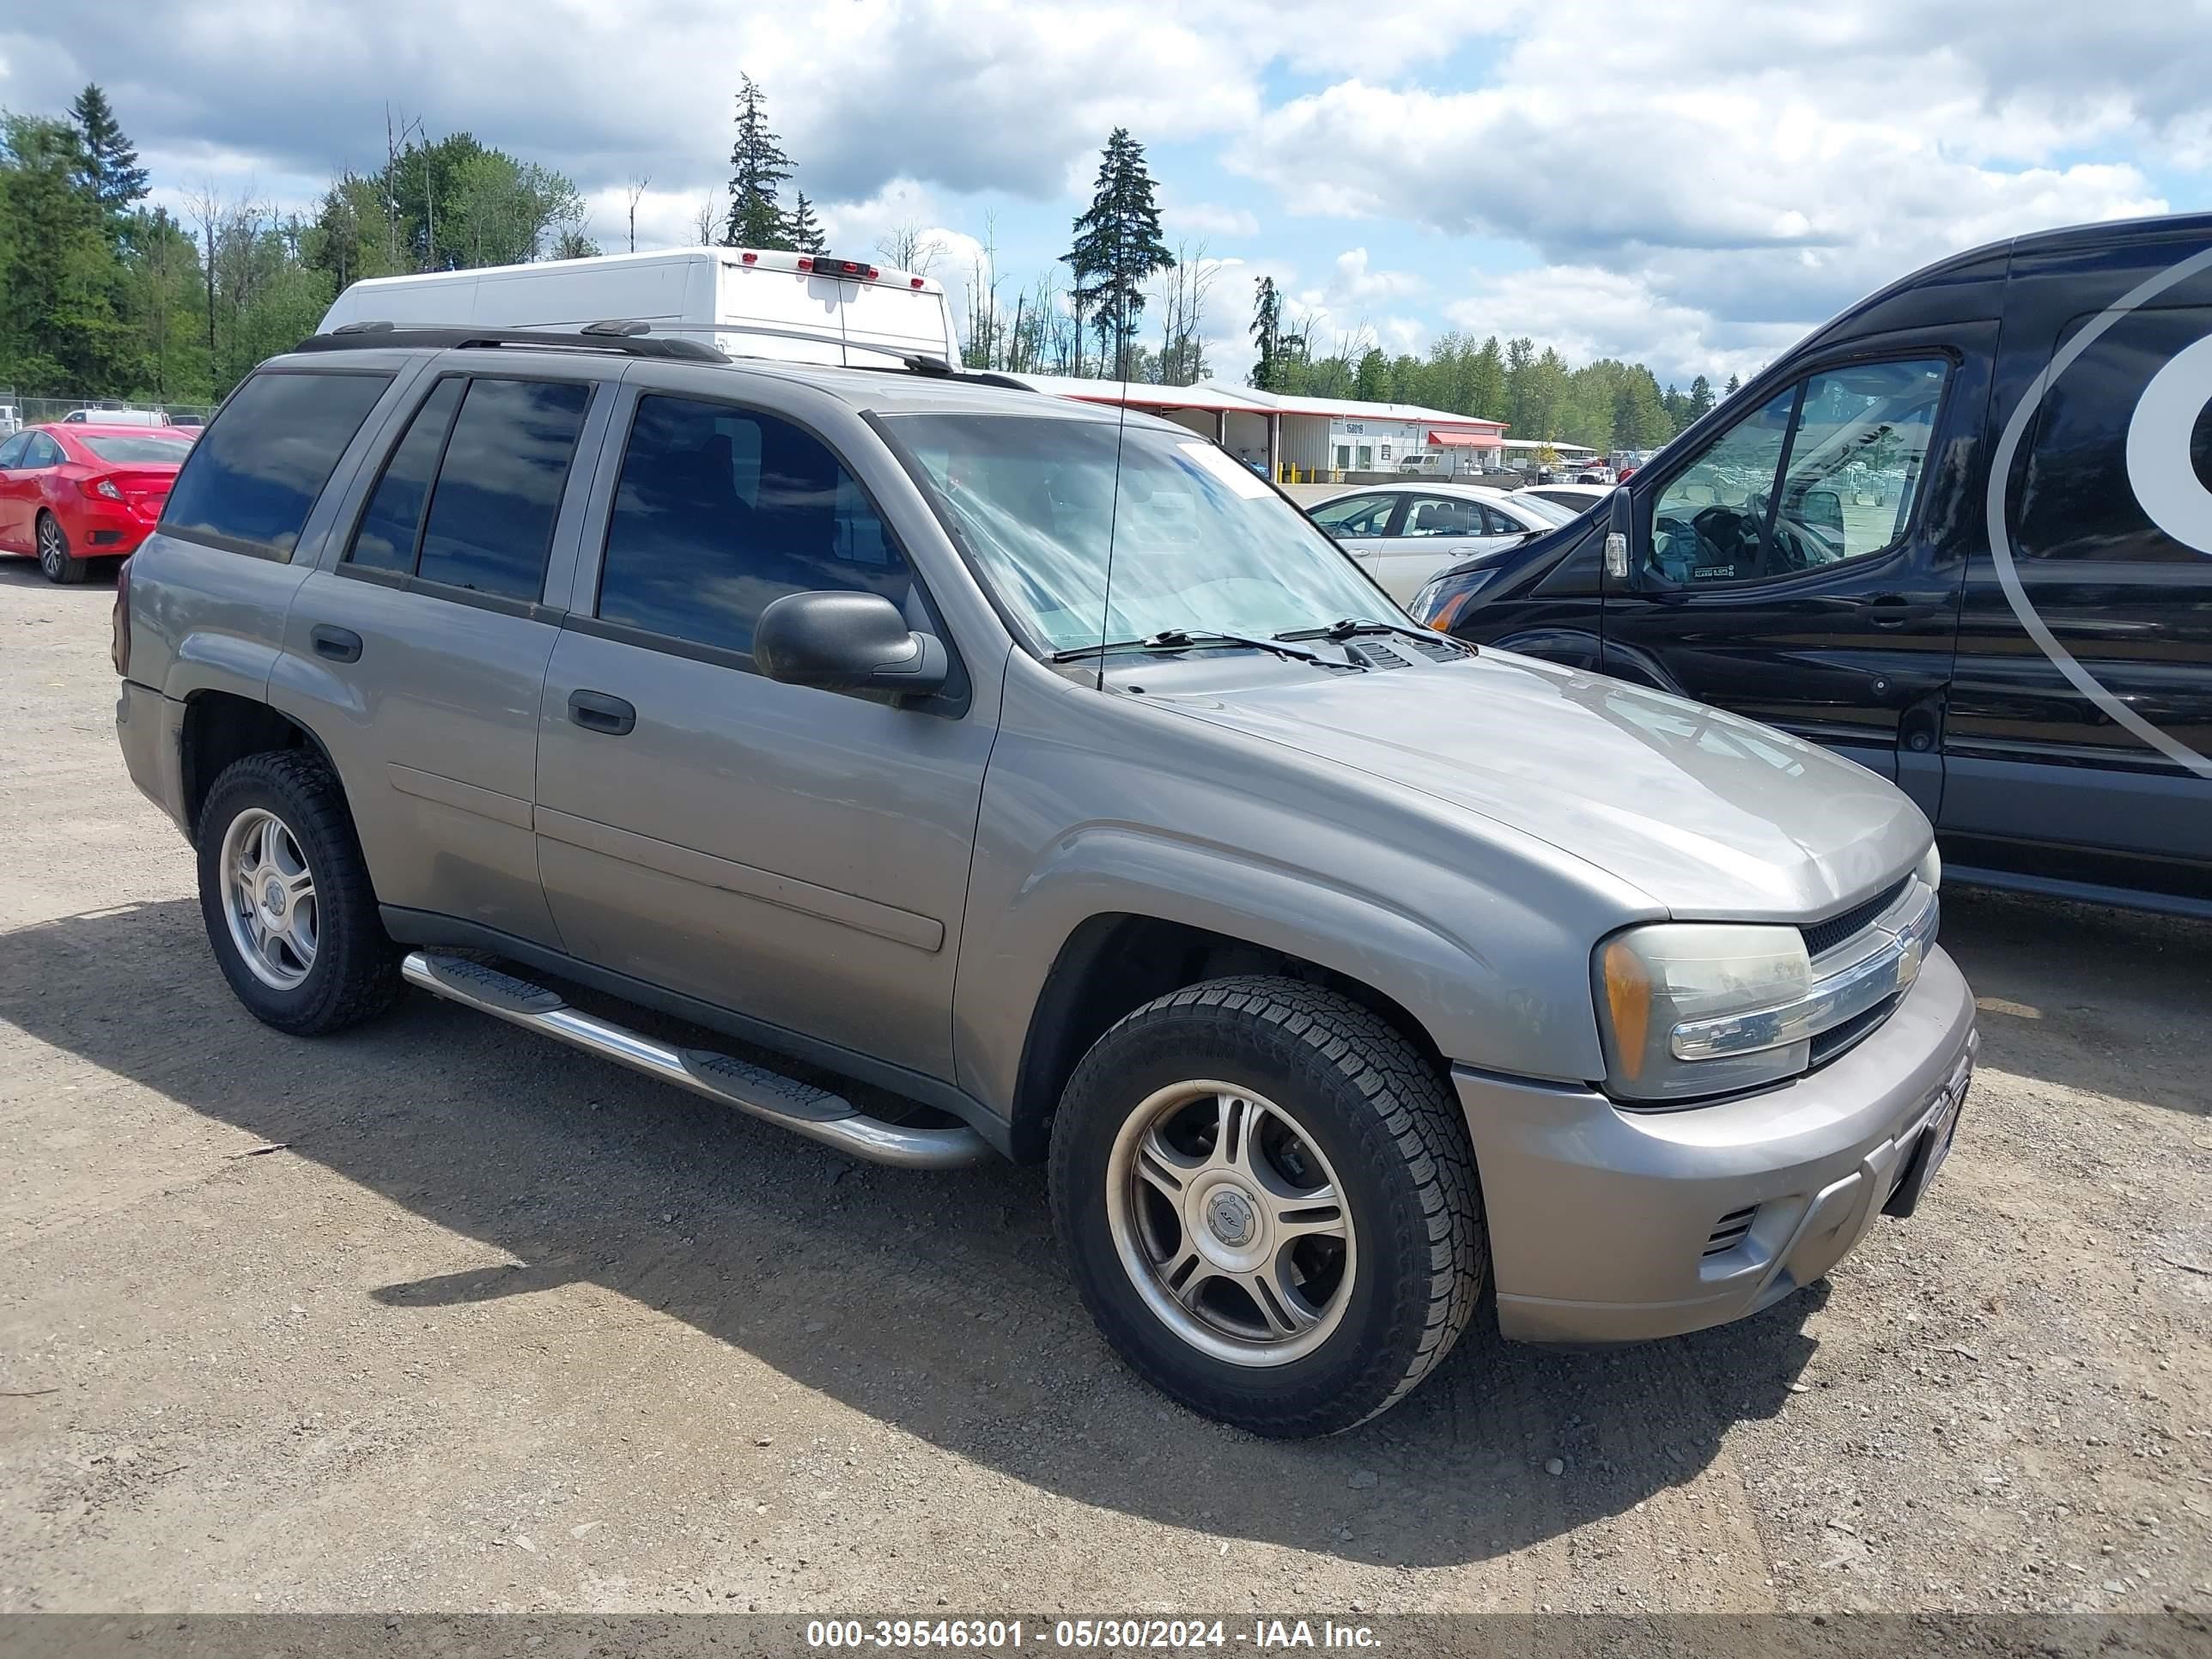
1577,498
1962,534
73,492
1404,534
115,417
1036,764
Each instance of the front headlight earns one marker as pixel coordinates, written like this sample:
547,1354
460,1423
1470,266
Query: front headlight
1651,980
1439,605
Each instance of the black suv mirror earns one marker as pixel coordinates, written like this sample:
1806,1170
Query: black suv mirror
847,642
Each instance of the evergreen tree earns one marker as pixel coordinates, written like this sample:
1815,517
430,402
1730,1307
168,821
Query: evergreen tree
1266,334
1733,386
1701,398
1117,246
58,331
802,231
758,167
110,166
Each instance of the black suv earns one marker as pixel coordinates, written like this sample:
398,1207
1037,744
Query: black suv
1962,534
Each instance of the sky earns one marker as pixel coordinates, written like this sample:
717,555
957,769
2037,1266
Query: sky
1691,184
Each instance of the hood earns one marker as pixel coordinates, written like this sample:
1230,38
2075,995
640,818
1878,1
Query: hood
1714,817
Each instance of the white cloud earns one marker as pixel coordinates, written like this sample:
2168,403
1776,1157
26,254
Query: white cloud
1206,219
1584,313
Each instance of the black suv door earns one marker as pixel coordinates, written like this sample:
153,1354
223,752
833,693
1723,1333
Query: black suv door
1801,566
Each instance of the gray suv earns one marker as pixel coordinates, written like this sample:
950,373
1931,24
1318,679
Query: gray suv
1040,781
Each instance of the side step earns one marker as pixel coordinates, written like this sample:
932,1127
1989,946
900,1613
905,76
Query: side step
800,1107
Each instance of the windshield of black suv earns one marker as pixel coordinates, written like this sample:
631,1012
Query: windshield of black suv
1200,543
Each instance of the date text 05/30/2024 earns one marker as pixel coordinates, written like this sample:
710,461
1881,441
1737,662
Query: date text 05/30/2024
1079,1635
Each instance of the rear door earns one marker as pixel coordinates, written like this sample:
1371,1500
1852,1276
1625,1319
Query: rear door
1802,566
419,652
1432,533
2080,732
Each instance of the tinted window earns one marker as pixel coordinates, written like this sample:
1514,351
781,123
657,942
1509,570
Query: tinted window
1358,515
499,488
249,482
11,452
1857,462
393,522
719,512
137,452
2086,496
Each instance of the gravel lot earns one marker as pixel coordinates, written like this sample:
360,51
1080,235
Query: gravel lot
439,1315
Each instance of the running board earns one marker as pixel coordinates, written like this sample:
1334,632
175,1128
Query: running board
800,1107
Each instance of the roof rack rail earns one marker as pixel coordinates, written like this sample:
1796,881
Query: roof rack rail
617,334
921,362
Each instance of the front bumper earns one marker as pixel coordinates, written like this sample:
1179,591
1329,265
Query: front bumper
1613,1226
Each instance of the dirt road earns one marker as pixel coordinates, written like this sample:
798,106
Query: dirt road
437,1316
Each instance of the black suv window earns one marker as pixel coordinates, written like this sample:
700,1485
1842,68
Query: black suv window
252,480
390,530
720,511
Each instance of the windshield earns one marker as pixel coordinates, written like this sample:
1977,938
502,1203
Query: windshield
1200,543
137,450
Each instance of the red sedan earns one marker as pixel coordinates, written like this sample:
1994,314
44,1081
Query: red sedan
72,494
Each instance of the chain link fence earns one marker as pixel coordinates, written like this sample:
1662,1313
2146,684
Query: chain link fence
16,413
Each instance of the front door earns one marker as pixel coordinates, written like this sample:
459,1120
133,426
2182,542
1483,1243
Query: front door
1799,566
796,856
1357,524
16,489
34,455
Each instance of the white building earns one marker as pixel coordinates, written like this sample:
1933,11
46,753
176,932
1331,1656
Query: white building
1300,440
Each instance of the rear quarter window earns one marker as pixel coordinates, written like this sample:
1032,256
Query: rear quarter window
254,475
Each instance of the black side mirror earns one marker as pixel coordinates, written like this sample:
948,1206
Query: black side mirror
847,642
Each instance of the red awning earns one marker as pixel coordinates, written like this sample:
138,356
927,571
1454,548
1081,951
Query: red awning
1467,440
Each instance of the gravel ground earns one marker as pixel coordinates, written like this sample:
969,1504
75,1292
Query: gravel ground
437,1316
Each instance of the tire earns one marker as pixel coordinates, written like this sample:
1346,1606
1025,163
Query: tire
332,964
60,565
1330,1094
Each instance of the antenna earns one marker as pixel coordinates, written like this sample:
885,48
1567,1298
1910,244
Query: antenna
1112,522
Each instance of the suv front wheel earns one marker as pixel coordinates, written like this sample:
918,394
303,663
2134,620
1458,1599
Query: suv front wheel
1269,1204
286,897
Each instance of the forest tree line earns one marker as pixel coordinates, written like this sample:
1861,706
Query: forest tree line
105,296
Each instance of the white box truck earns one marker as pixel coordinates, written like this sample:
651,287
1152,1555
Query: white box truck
812,308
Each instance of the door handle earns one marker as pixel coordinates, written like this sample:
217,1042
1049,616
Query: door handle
338,644
1890,611
595,711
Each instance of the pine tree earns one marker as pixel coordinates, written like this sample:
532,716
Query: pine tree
757,166
802,231
110,166
1117,245
1701,398
1266,332
1733,386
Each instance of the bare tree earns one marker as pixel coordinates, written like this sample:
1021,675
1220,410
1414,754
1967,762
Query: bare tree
1183,316
636,192
207,209
706,219
907,246
984,326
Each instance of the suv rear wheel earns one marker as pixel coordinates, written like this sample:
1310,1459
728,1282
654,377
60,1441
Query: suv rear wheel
286,897
1269,1204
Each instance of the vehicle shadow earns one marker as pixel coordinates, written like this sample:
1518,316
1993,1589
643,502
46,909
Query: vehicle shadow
21,570
2109,1001
935,1303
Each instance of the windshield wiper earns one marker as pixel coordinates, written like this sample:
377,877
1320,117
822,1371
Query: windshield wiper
1351,627
1178,639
